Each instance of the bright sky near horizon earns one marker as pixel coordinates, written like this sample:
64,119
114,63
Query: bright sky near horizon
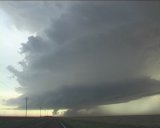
10,41
92,59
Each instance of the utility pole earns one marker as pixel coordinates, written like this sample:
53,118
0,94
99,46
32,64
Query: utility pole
40,111
26,105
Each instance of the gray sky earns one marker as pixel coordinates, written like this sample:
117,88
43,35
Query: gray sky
87,54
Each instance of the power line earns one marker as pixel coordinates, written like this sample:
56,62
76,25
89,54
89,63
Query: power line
26,105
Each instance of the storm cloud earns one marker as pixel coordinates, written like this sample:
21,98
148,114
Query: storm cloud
27,15
95,53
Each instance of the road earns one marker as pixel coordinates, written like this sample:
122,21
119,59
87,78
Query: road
45,122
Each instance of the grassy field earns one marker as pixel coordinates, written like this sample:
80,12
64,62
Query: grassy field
82,122
113,122
15,122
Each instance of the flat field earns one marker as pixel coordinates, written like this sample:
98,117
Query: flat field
29,122
81,122
149,121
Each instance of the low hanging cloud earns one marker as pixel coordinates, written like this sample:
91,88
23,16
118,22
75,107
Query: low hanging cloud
94,54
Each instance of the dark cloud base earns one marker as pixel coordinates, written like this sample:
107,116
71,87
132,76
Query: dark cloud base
82,96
